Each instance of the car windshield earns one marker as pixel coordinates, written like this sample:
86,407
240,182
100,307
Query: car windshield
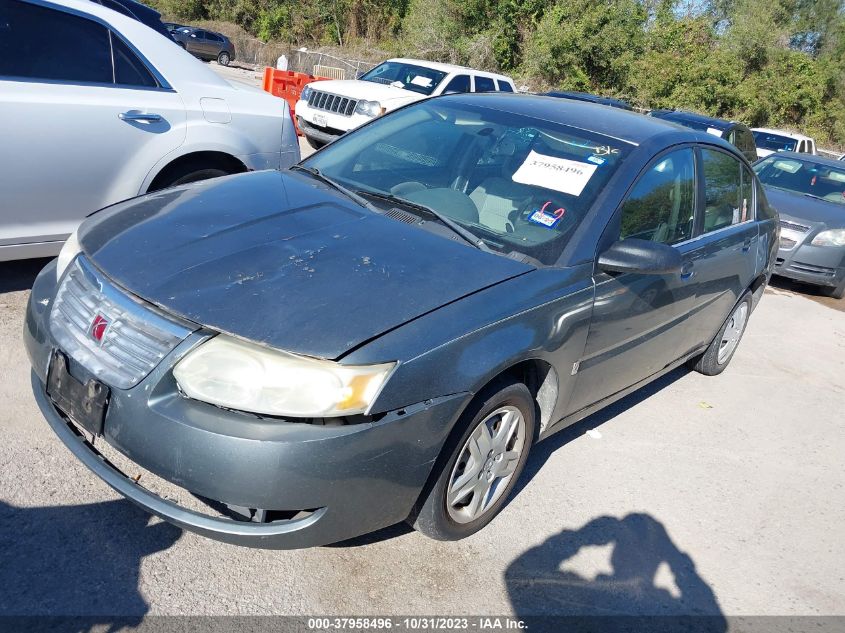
774,142
803,176
408,76
520,185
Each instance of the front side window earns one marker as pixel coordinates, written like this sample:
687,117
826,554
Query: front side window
41,43
484,84
803,176
521,185
724,203
661,206
407,76
458,84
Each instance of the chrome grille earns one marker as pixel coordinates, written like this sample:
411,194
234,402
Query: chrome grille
133,340
332,103
794,226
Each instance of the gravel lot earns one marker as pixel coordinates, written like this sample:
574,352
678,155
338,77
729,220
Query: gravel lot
720,495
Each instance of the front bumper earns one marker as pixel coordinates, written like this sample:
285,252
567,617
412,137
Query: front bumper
335,481
818,265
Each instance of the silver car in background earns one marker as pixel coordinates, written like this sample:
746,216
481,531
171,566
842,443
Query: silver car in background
100,108
207,45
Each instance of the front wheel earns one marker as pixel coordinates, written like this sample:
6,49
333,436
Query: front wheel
483,465
223,59
721,350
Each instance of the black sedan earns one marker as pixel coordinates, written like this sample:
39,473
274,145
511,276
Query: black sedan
734,132
809,193
382,333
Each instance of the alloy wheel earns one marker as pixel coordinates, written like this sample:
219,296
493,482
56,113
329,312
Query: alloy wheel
486,464
733,332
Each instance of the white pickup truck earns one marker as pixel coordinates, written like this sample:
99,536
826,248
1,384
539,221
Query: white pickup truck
329,109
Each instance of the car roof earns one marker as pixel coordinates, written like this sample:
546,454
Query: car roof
792,135
448,68
683,115
586,96
168,58
810,158
624,125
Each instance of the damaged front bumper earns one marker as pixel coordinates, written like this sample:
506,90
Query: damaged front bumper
298,484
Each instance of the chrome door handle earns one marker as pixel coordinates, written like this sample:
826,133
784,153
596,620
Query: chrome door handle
135,115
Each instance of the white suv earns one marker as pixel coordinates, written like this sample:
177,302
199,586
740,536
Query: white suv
98,107
328,109
770,141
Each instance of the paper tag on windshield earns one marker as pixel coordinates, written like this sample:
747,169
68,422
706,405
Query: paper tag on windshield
714,131
560,174
423,82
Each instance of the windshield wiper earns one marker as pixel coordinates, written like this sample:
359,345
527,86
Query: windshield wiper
468,236
335,185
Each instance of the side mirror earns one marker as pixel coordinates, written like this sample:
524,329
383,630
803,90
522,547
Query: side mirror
641,256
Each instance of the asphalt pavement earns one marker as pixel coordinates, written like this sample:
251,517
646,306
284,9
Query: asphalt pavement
699,495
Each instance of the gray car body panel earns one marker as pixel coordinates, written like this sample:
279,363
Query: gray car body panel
805,262
589,337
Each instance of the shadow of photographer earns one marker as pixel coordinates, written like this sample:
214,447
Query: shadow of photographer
649,582
78,560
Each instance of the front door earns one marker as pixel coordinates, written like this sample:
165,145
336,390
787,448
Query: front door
639,321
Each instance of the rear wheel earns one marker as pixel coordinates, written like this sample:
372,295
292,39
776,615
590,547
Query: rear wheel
483,462
223,59
721,350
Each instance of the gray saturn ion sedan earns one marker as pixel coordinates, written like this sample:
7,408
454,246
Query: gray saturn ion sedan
809,193
381,333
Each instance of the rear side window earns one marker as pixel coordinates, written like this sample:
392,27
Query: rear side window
213,37
128,69
484,84
661,206
504,86
41,43
726,202
458,84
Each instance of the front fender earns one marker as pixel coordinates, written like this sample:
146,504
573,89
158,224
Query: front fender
461,347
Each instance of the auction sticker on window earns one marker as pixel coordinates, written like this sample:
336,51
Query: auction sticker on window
560,174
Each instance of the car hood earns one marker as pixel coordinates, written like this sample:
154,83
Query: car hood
370,90
283,260
798,207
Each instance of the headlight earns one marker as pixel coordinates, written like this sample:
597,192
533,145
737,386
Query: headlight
833,237
369,108
239,375
306,93
69,251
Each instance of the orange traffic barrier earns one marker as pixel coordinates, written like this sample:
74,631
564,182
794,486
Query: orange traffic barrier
288,85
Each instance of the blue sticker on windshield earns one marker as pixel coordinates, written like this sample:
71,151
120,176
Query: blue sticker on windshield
548,219
596,160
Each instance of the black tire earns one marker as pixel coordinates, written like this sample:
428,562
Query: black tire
314,142
837,292
224,58
431,516
190,173
708,363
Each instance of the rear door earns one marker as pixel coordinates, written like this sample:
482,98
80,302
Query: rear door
639,321
66,151
724,255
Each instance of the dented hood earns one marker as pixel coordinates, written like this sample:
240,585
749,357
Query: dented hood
283,260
